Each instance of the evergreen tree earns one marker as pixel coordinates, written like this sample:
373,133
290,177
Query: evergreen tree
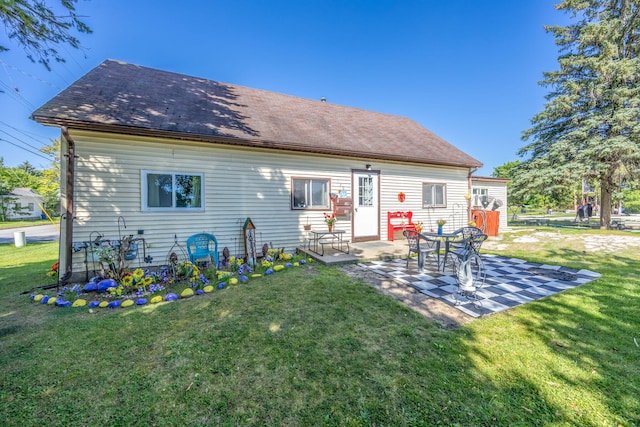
590,126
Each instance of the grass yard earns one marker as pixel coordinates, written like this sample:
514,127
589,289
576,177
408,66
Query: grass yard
311,346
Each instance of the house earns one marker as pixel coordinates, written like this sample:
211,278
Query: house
24,204
172,155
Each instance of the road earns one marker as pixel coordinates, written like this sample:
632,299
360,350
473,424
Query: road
37,233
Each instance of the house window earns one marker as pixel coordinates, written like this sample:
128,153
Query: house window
434,195
365,191
310,193
480,195
163,191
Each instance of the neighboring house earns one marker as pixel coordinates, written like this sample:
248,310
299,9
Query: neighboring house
24,204
175,155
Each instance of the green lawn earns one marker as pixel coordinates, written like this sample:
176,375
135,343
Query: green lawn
311,346
25,223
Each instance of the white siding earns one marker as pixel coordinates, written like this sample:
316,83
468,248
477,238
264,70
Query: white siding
396,178
239,183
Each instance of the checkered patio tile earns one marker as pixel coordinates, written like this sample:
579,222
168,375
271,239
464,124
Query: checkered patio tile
509,282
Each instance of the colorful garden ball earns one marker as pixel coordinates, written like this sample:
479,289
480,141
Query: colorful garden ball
141,301
222,285
90,287
243,278
79,303
199,292
114,304
171,297
105,284
44,299
94,304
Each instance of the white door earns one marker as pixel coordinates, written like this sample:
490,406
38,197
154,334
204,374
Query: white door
366,213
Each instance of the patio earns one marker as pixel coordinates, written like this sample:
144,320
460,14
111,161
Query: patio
509,281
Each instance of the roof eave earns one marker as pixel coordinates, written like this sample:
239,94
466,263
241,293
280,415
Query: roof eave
243,142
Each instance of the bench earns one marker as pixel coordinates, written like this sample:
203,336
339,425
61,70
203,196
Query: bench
399,221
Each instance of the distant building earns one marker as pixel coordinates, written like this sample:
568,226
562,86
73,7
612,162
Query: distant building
25,204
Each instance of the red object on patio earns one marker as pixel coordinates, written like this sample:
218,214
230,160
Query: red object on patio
487,221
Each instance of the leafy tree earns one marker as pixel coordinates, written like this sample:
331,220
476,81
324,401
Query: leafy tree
44,182
49,179
590,126
631,202
28,168
38,29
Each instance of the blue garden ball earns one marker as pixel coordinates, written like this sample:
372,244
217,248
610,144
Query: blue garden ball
67,304
199,292
222,285
44,299
141,301
105,284
288,265
269,271
90,287
243,278
94,304
302,262
60,302
171,297
114,304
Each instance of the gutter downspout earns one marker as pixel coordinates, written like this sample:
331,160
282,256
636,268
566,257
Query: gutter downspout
469,192
70,205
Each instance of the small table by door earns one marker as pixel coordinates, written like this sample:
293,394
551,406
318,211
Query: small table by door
334,238
444,237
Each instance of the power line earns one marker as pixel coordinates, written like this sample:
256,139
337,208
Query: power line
19,140
27,150
31,135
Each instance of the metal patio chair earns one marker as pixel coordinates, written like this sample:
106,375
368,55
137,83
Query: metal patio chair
420,245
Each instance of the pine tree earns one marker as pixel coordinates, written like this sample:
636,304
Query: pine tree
590,126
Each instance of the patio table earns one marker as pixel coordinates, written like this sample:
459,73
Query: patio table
439,238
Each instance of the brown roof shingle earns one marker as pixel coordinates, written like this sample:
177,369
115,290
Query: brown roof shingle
130,99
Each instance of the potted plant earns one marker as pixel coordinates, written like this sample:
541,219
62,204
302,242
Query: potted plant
330,219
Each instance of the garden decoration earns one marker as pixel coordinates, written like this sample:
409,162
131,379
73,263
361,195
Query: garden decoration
177,254
401,197
249,238
441,223
141,287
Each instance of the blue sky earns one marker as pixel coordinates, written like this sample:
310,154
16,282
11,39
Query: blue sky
467,70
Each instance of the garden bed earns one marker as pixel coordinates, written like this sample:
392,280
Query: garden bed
123,288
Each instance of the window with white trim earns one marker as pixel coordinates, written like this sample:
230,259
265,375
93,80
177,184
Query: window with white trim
434,195
310,193
165,191
480,195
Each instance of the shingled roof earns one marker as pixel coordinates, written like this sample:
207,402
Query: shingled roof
129,99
